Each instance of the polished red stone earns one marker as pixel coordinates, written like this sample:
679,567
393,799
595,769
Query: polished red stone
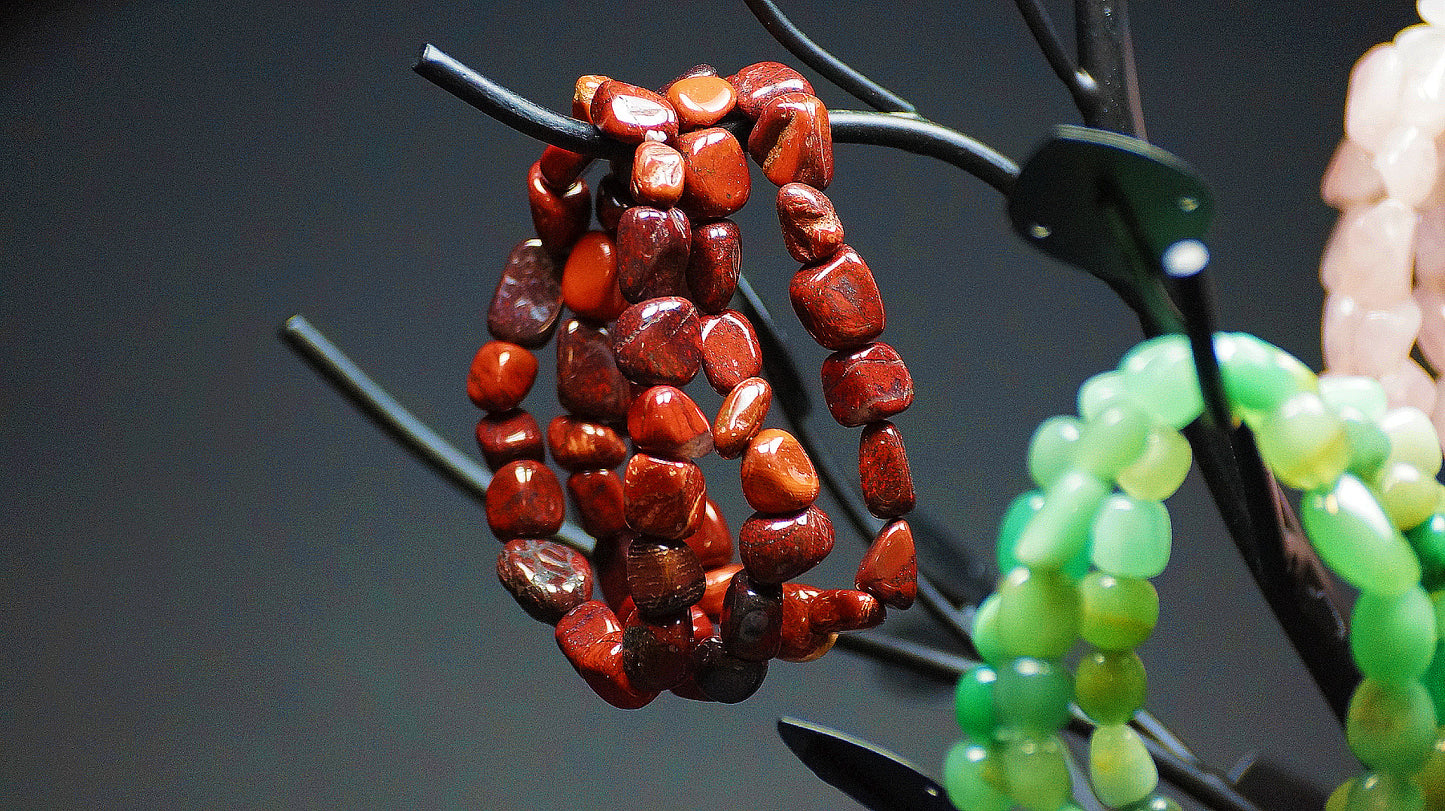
718,579
613,199
725,678
811,228
591,639
837,301
652,253
561,168
664,576
659,341
714,264
589,279
759,83
663,497
752,618
508,436
546,578
741,416
730,350
588,380
712,542
775,548
597,497
700,69
579,444
560,217
656,174
582,94
609,565
793,141
777,475
701,101
889,570
715,173
528,297
883,470
525,500
501,375
866,385
628,113
657,654
800,643
836,610
664,421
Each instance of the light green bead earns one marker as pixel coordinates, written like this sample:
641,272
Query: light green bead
1355,538
1020,511
973,702
972,779
1434,678
1052,448
1130,537
1120,767
1099,392
1112,440
1109,686
1258,376
1160,378
1304,442
1393,638
1116,613
1161,468
985,632
1036,772
1155,802
1038,614
1376,792
1391,727
1412,438
1369,447
1032,695
1350,393
1428,541
1407,496
1059,531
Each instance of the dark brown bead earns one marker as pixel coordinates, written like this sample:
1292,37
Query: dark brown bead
718,580
777,475
589,279
889,570
715,173
775,548
588,380
597,496
657,654
609,566
663,497
528,297
752,618
560,217
883,470
582,94
714,264
546,578
664,421
525,500
730,350
758,84
712,542
701,101
613,198
866,385
659,341
628,113
726,679
652,253
793,141
656,174
507,437
800,643
561,168
837,301
811,228
591,639
836,610
500,376
581,444
741,416
664,576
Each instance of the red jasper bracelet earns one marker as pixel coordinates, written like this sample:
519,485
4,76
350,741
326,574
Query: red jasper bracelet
648,299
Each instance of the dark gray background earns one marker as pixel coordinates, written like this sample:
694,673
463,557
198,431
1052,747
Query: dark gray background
224,588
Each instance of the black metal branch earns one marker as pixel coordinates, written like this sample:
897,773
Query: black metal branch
829,66
1079,83
1106,52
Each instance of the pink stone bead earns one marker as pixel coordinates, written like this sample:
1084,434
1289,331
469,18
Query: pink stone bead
1409,385
1373,101
1351,179
1366,340
1368,254
1408,163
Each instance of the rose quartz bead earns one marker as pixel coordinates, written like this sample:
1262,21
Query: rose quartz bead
629,113
597,497
652,253
656,174
701,101
793,141
812,230
591,639
589,279
613,199
752,618
1351,179
730,350
1409,385
836,610
657,655
525,500
866,385
588,380
1367,341
1430,247
759,83
714,264
1368,254
577,444
546,578
775,548
664,576
777,475
582,94
528,297
659,341
715,173
889,570
500,376
800,643
664,421
883,470
1408,164
663,497
712,542
1422,100
507,437
1431,338
561,168
741,416
559,217
1373,101
718,580
837,301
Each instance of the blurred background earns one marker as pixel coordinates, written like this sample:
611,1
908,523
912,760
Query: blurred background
222,587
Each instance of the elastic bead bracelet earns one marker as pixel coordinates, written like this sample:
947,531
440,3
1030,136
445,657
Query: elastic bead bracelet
646,300
1077,556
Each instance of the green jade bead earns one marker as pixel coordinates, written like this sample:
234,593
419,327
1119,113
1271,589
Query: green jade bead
1099,392
1407,496
1130,537
972,779
1110,686
1259,376
1052,448
1036,771
1391,727
1032,695
1431,776
1160,378
1428,541
1020,511
973,702
1412,439
1154,802
1364,396
1393,638
1112,440
1376,792
1116,613
1059,531
985,632
1303,442
1038,614
1356,539
1120,767
1161,468
1369,447
1434,678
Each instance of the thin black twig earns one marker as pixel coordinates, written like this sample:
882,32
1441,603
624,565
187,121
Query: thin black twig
1081,86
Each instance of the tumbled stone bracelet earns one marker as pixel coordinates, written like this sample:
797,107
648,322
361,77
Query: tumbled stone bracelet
1077,558
649,298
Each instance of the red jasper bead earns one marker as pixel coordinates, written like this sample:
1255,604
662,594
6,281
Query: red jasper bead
811,228
760,83
777,475
560,217
752,618
528,297
775,548
589,279
663,497
664,576
609,565
656,174
652,253
613,199
664,421
715,173
714,264
561,168
883,470
657,654
581,444
866,385
793,141
546,578
628,113
582,94
588,380
701,101
836,610
701,69
501,375
741,416
730,350
718,580
837,301
507,437
596,654
597,496
889,570
525,500
800,643
712,542
727,679
659,341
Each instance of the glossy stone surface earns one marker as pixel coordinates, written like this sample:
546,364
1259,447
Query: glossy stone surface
528,297
741,416
1018,515
701,101
500,376
1161,468
726,679
973,702
546,578
561,168
971,778
590,281
1393,639
730,350
836,610
889,570
883,471
800,641
713,541
613,198
1120,768
582,93
665,422
776,548
580,444
1059,531
866,385
700,69
560,217
1112,440
1033,695
525,500
664,576
812,230
1116,613
1036,771
793,142
714,264
656,174
609,566
508,436
597,497
718,580
591,639
1130,537
1052,448
663,497
777,475
1159,376
1355,538
837,301
657,655
752,618
759,83
659,342
1390,727
1109,686
588,380
1303,442
1038,613
715,173
628,113
652,253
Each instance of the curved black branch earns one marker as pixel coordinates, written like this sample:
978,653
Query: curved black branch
1078,82
925,138
829,66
